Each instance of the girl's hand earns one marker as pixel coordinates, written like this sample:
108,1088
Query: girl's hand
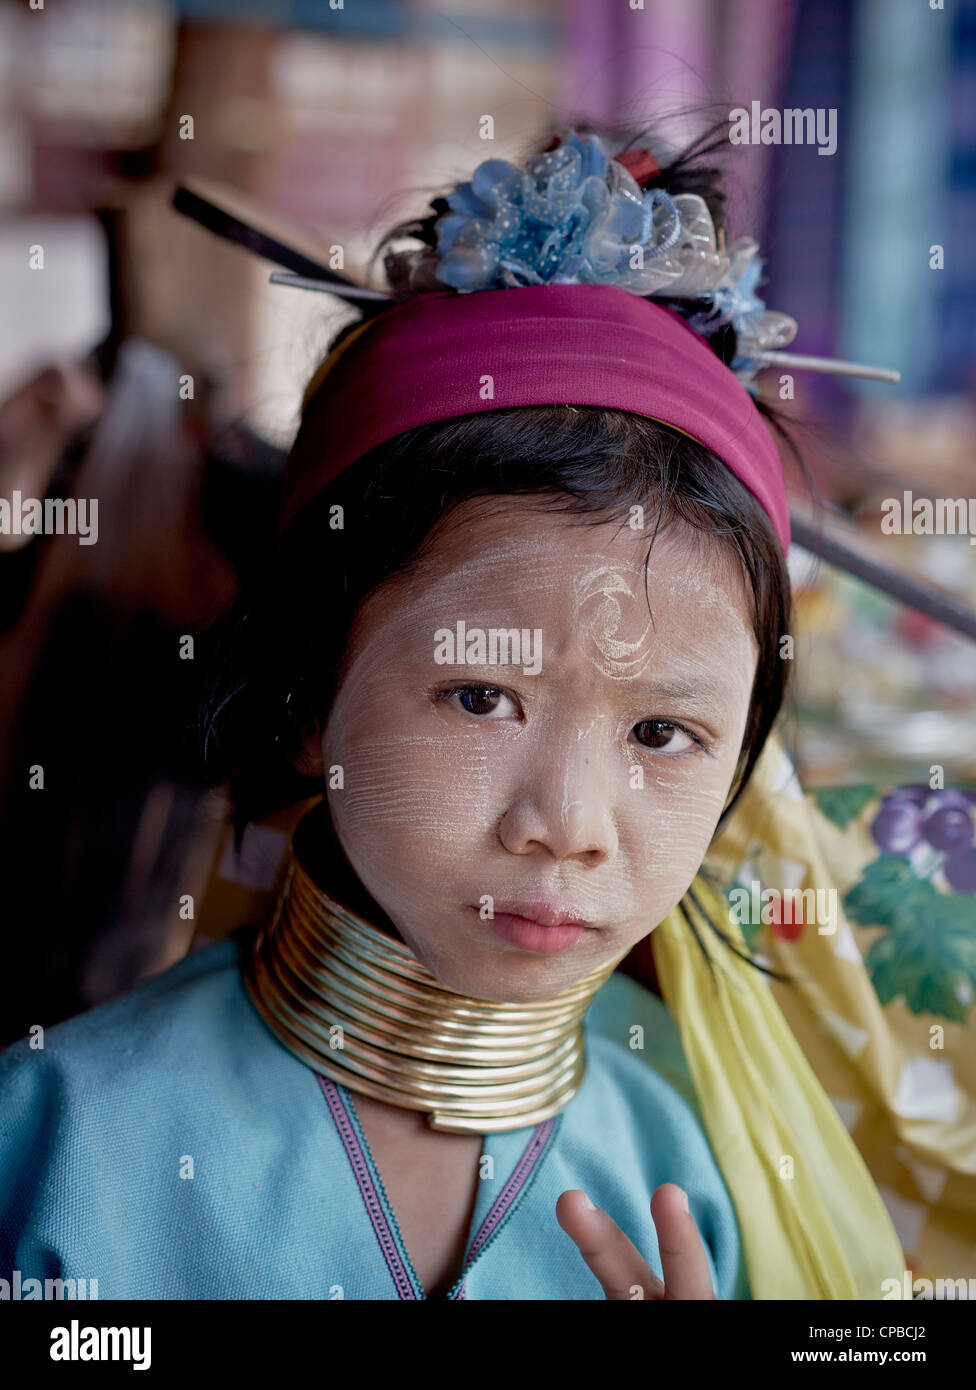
615,1261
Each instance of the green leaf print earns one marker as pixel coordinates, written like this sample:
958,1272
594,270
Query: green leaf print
928,952
889,893
842,804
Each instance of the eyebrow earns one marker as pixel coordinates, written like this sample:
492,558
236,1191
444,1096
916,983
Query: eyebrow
703,693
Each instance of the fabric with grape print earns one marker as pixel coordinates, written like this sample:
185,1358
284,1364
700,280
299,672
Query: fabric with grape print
884,1004
913,817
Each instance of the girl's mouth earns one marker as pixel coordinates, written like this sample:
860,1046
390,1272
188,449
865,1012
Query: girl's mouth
558,930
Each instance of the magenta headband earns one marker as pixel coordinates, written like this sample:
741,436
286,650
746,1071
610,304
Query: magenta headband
426,359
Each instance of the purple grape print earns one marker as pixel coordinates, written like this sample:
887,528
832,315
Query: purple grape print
954,799
912,795
897,827
948,829
960,870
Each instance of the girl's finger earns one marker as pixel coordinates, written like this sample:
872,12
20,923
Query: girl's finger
683,1258
614,1259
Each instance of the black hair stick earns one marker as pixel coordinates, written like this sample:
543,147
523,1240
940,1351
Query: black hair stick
230,227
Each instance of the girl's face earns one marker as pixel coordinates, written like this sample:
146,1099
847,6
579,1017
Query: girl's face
577,775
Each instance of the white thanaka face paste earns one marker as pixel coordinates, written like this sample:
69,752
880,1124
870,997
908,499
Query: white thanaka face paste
550,793
605,600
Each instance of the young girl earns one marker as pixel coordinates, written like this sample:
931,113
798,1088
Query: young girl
523,626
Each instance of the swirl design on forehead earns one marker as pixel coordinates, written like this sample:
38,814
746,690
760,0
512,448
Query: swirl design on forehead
615,601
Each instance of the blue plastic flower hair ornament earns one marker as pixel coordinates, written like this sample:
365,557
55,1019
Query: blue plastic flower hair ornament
574,215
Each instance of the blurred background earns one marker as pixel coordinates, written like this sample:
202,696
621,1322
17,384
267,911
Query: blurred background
338,119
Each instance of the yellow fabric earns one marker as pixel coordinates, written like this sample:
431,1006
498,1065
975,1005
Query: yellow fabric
879,1127
812,1221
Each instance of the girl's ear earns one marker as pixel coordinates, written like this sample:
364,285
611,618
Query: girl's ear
308,759
299,737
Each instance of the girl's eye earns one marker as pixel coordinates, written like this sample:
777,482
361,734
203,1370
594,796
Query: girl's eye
660,735
484,700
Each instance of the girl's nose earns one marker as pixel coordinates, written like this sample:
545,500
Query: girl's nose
564,805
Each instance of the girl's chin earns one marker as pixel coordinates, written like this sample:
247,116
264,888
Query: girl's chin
515,977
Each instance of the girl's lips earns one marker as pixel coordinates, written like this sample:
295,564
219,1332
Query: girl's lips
535,936
547,912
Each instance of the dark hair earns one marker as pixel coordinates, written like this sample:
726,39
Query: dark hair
283,641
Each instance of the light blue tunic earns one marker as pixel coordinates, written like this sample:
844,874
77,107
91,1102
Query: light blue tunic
285,1201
